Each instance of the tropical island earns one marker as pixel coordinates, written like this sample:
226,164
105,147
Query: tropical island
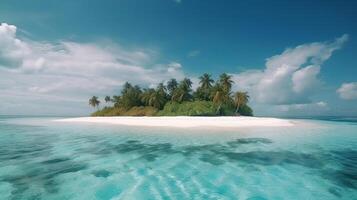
211,98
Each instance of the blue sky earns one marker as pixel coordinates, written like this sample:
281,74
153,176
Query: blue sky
56,54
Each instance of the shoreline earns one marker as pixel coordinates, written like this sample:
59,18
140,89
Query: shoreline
185,121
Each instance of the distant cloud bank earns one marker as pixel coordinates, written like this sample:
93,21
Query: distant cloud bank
61,75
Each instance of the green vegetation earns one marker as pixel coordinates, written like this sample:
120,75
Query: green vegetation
94,102
188,108
240,100
178,99
134,111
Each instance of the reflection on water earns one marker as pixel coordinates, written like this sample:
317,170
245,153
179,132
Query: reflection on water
40,162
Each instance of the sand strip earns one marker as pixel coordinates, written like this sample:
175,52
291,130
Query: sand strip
185,122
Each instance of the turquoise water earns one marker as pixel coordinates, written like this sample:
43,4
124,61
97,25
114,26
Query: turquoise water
42,159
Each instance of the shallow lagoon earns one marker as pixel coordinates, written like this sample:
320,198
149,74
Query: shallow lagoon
41,159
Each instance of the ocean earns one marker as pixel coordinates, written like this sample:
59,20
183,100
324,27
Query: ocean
43,159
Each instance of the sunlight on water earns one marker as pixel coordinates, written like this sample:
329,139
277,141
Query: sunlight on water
41,159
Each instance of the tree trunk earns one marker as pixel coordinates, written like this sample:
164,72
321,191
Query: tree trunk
219,109
237,108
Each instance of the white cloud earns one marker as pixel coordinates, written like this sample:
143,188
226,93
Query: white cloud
32,69
321,104
174,66
304,109
348,91
40,76
247,80
305,78
193,53
12,49
290,77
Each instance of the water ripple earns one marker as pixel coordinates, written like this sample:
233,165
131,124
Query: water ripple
35,165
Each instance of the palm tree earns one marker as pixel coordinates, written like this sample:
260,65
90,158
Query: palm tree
116,100
203,91
94,102
240,98
126,87
206,81
220,96
178,95
171,86
157,100
218,99
131,96
186,83
226,81
162,90
145,97
182,93
107,99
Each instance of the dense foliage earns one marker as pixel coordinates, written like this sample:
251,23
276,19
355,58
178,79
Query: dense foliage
177,99
188,108
134,111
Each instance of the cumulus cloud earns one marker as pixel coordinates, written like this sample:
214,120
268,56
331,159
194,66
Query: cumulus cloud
73,70
305,78
12,49
348,91
50,76
290,77
174,66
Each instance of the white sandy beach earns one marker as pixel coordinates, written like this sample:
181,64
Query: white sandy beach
185,122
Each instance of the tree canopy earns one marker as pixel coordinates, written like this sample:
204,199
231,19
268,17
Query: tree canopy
178,98
94,102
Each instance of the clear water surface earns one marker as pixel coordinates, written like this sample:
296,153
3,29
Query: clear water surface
42,159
